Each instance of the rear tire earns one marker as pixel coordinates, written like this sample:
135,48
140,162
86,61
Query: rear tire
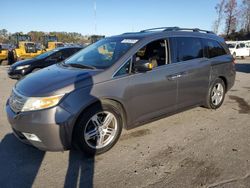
216,94
93,127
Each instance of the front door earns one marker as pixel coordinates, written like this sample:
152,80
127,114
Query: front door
153,93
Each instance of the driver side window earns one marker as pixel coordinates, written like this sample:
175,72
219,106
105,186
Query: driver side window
154,53
55,56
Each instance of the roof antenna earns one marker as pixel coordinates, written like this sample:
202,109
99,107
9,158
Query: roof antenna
95,22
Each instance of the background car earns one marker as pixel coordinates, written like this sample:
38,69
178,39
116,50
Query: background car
24,67
239,50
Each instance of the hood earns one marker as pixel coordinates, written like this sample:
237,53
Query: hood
55,80
23,62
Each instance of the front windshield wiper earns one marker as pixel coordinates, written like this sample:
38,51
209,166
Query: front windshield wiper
79,66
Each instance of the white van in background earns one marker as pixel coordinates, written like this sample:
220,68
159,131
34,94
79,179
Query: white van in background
239,48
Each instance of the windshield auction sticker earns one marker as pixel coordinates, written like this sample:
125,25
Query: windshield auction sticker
129,41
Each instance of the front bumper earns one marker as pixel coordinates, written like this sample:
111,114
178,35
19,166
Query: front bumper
52,126
17,74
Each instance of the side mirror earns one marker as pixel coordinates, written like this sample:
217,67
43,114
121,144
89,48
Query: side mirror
143,66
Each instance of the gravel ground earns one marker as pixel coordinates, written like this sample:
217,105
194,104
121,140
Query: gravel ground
195,148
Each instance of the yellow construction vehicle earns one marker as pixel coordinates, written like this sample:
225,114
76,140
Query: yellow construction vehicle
95,38
3,53
50,42
24,48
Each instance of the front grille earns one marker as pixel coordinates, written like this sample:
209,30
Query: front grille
31,49
16,101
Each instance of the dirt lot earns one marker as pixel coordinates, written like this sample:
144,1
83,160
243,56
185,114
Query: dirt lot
196,148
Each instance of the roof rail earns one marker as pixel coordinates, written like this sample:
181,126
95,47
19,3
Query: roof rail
163,29
159,28
129,33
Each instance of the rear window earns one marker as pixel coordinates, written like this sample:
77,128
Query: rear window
188,48
214,49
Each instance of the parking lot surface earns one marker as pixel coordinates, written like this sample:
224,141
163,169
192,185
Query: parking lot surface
195,148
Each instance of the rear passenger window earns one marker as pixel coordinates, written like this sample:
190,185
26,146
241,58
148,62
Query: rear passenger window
188,48
214,49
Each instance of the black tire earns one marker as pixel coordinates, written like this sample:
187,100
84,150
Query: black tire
79,142
11,57
210,103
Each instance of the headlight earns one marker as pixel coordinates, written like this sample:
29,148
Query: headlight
22,67
38,103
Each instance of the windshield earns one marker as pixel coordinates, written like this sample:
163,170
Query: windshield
46,54
24,38
102,54
51,38
231,45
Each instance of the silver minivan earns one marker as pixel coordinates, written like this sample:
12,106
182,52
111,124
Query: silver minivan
120,82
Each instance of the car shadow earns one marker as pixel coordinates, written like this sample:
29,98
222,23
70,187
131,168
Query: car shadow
19,163
80,170
240,67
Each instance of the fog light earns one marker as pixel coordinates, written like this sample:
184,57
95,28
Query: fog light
32,137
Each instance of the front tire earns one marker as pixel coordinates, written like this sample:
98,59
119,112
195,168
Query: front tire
216,94
98,128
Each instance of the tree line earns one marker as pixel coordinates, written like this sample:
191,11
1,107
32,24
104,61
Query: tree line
233,18
36,36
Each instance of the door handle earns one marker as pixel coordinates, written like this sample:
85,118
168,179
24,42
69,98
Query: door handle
173,77
178,75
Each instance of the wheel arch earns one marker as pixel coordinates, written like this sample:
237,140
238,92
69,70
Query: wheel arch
106,100
225,81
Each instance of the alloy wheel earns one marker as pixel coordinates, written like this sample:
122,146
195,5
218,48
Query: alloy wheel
100,130
217,94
